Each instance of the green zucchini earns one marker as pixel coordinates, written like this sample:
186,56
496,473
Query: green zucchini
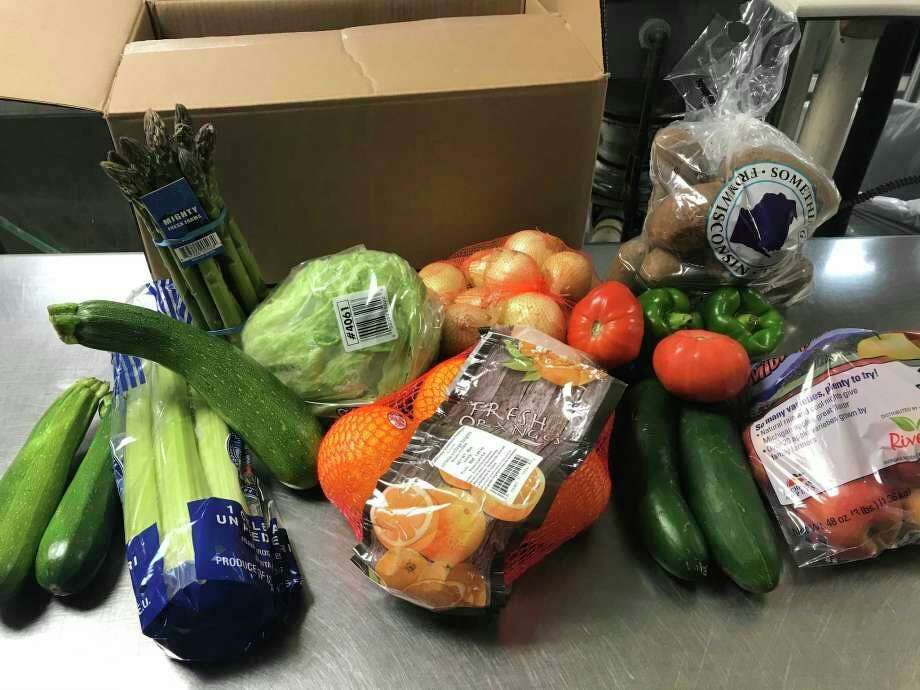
77,539
271,418
35,481
648,417
725,500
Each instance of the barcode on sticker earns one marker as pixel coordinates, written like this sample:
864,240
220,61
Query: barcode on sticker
509,475
487,461
199,249
364,319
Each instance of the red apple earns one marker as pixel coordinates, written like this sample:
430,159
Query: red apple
858,520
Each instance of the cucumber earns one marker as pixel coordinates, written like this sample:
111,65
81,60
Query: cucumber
724,498
77,539
648,416
271,418
35,481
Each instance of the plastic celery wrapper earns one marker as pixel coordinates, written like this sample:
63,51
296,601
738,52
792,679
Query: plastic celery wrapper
140,488
212,434
179,474
211,567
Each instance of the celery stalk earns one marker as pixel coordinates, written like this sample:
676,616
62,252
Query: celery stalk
180,478
221,475
140,484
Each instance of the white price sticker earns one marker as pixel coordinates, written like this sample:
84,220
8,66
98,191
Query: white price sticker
199,249
490,463
364,319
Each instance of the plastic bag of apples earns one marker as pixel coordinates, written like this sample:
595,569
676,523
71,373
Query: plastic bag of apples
529,278
834,443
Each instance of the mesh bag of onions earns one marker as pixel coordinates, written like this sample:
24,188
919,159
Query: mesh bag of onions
528,278
363,444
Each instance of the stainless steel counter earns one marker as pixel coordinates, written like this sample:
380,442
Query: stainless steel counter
597,613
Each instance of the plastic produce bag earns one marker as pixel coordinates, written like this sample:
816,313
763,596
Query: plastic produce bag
733,199
834,443
345,329
471,502
211,566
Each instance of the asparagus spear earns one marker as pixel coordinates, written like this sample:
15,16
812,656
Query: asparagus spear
239,278
204,148
197,296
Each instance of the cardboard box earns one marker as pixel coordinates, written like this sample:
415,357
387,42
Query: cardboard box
414,137
193,18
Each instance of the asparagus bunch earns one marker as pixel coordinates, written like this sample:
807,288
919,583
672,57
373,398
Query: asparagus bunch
218,291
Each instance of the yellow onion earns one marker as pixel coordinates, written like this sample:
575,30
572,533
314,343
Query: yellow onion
475,296
538,245
474,266
568,274
536,310
511,270
461,327
444,280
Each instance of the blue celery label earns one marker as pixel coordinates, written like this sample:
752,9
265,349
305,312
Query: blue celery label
231,545
146,575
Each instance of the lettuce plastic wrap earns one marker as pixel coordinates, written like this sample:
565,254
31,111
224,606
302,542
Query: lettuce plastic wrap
345,329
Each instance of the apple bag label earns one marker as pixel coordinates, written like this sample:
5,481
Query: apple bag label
486,461
855,419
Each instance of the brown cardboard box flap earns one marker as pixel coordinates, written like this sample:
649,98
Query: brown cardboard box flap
433,56
63,51
196,18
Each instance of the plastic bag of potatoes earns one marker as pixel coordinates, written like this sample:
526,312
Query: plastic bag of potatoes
733,199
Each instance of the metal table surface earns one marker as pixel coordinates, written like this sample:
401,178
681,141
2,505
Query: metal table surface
597,613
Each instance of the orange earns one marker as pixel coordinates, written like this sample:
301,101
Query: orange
404,515
475,592
455,481
399,568
460,530
435,386
356,451
522,504
436,594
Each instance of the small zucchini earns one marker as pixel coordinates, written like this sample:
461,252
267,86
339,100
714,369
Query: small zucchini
77,539
32,486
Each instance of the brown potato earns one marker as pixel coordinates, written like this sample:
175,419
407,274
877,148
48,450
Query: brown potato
678,223
675,153
625,265
659,266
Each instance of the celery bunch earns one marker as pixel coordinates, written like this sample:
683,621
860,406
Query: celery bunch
176,453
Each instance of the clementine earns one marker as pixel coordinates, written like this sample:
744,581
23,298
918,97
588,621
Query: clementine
356,451
404,515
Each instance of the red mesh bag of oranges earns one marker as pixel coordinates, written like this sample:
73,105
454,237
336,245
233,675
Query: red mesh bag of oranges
463,480
528,278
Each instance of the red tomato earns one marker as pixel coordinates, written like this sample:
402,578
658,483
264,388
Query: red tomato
701,366
607,324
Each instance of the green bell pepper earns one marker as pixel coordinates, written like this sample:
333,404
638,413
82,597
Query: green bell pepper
667,310
745,316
